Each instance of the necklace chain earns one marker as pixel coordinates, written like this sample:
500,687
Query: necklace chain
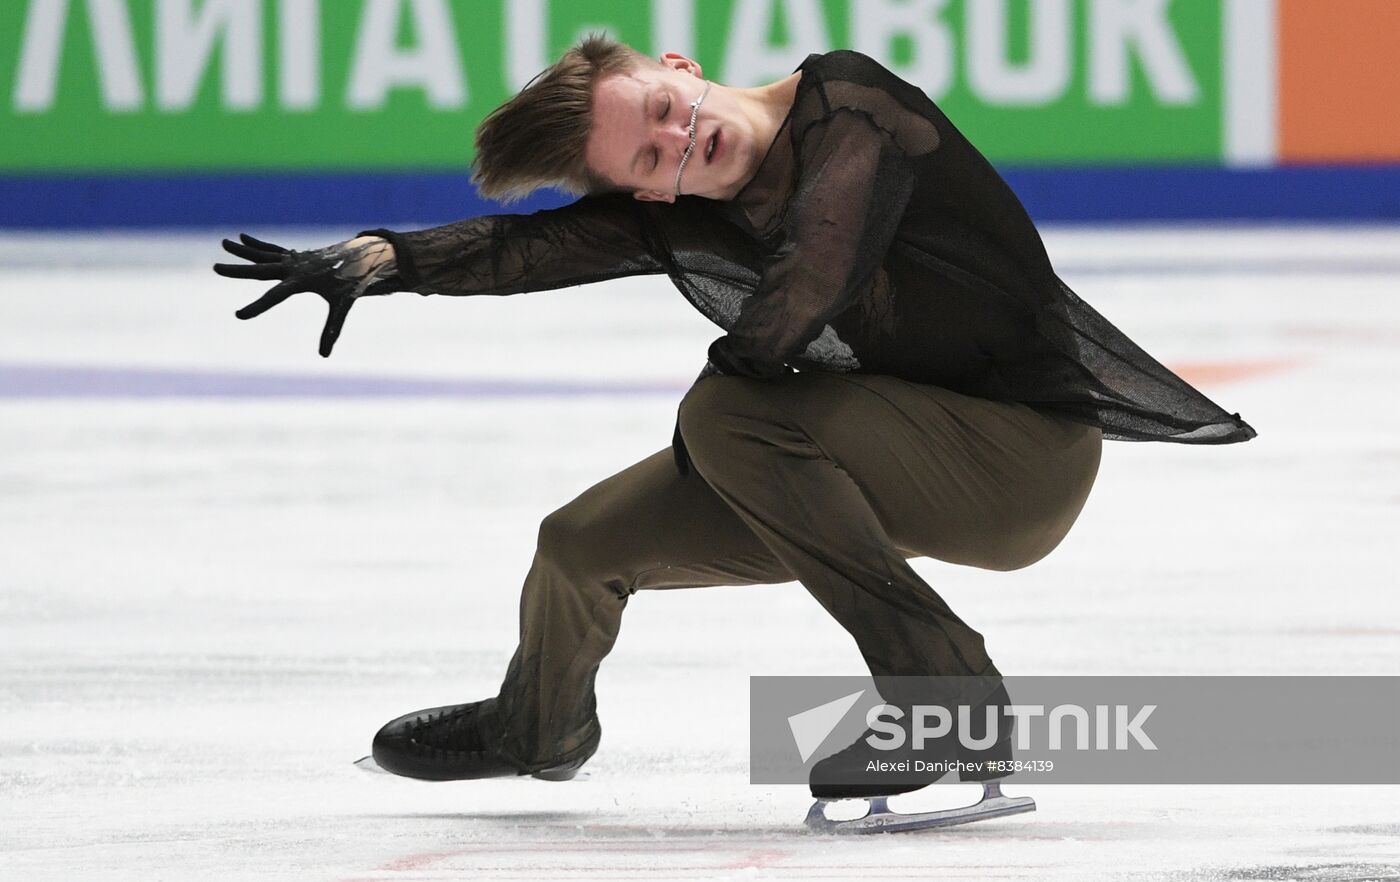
690,148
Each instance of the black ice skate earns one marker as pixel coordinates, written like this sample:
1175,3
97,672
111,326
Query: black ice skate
879,818
863,771
462,742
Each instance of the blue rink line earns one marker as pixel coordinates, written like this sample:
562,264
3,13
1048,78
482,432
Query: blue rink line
34,381
409,200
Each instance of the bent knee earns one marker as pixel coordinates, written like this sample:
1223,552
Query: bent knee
1059,516
566,537
700,410
582,548
713,407
705,400
557,533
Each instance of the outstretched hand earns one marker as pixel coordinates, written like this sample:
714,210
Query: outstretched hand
341,274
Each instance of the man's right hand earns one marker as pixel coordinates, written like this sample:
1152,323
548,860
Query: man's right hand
341,273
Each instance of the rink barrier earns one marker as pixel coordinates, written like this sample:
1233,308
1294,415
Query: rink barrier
1365,193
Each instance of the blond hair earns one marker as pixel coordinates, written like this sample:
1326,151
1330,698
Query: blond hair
537,138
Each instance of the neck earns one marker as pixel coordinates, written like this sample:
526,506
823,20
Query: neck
773,101
766,107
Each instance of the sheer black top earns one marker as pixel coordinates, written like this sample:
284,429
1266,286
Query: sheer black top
873,238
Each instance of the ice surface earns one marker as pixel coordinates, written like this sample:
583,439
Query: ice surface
208,604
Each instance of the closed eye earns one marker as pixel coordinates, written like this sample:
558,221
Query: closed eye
655,153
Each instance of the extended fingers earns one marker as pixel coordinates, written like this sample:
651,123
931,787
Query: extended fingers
261,245
256,255
274,296
266,272
335,320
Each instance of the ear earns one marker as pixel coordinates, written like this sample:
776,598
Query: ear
677,61
653,196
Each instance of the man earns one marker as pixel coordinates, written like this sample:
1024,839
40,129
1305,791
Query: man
902,374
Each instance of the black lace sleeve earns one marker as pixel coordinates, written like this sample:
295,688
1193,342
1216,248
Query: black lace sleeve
853,185
595,238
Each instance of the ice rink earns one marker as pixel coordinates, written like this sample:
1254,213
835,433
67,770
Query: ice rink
225,561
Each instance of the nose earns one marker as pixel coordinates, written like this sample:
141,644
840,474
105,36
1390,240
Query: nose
676,135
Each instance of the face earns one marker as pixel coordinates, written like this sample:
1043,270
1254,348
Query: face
641,123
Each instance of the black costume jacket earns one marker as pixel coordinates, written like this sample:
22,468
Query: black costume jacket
873,238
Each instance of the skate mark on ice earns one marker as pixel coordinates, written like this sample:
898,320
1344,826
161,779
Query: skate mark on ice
562,857
1318,872
1369,829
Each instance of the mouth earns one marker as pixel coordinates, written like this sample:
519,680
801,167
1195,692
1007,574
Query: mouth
712,146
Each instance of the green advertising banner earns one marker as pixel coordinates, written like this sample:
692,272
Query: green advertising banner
241,85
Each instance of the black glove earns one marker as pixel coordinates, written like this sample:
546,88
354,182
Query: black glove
340,273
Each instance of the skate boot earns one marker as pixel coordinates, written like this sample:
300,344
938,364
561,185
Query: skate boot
988,762
463,741
861,771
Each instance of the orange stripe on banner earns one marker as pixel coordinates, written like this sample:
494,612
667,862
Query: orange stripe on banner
1210,373
1339,80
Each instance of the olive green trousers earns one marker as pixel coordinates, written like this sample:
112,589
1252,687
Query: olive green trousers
832,480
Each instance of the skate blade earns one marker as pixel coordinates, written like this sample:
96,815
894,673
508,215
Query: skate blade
879,818
367,764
